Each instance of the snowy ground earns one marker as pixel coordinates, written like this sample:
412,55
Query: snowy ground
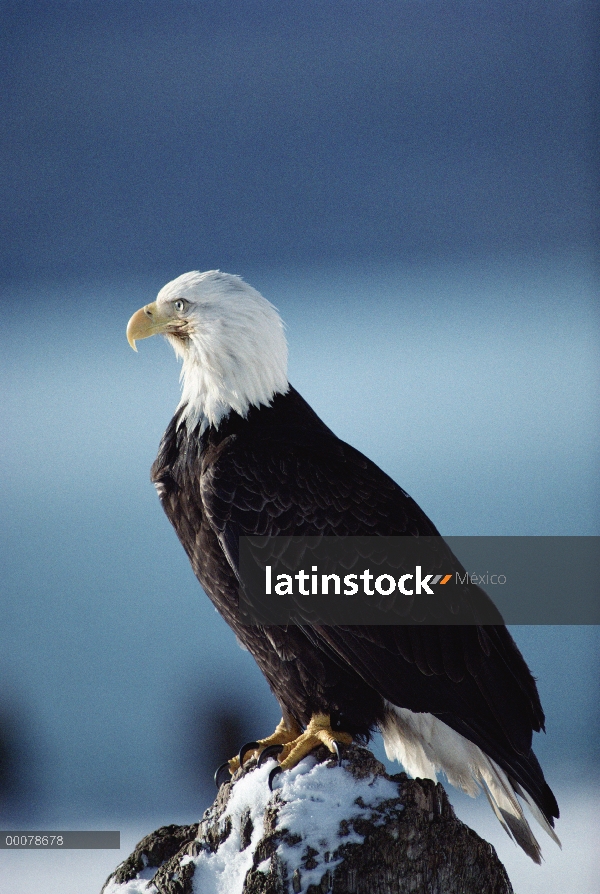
573,870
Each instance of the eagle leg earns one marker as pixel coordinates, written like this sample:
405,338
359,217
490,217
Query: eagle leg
318,732
282,735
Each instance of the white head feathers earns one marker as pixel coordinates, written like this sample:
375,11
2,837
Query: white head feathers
232,344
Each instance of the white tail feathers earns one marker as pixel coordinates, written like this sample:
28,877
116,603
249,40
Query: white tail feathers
426,746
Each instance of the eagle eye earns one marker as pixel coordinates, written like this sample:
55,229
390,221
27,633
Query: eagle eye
180,305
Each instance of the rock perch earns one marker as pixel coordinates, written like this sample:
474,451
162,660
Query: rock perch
347,830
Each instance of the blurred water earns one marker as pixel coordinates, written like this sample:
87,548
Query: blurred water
474,386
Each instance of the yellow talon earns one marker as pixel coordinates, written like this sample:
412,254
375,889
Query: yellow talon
297,744
318,732
280,736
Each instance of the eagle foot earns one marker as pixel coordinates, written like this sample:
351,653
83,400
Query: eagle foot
291,746
318,732
281,736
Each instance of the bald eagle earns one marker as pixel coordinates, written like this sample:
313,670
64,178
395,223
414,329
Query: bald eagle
244,454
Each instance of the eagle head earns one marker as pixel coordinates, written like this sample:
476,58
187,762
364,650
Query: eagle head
231,341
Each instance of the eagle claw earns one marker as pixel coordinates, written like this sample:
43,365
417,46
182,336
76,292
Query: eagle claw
266,753
249,746
336,748
222,775
274,772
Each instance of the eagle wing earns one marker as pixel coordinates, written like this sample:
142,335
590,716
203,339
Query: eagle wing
329,488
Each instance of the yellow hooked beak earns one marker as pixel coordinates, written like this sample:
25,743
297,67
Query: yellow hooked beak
147,321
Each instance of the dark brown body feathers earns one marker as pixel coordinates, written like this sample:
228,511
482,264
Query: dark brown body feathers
280,471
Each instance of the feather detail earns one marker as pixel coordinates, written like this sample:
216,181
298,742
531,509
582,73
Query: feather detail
426,746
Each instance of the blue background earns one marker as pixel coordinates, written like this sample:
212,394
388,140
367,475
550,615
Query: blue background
412,184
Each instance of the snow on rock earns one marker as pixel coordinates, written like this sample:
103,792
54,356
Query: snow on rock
241,826
314,807
320,806
323,828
